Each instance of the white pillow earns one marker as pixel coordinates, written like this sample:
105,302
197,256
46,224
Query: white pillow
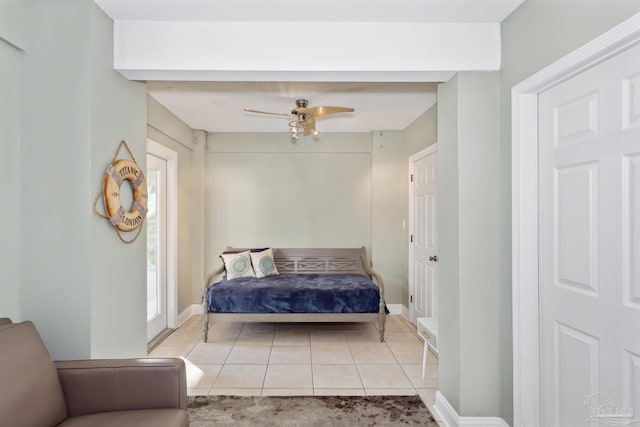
263,263
238,265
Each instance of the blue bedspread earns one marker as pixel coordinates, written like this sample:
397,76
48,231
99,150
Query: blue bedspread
295,293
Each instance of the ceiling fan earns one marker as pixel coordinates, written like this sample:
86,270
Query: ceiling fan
304,117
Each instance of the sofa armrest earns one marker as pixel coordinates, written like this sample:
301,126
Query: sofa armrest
92,386
207,281
373,275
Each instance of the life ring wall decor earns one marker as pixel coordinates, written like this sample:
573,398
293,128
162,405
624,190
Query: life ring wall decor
117,173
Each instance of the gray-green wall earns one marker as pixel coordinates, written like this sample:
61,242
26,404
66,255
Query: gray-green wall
65,113
448,236
117,109
12,42
166,129
469,242
535,35
387,241
262,190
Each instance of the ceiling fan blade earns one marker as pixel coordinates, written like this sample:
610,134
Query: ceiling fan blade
323,111
304,118
266,112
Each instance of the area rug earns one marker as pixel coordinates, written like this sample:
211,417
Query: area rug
312,411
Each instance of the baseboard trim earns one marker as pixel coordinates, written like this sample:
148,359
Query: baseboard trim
395,308
191,310
451,418
405,312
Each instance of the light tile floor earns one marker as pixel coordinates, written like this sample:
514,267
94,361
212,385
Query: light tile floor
287,359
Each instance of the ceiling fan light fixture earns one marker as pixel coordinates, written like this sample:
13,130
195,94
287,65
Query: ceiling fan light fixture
293,129
304,118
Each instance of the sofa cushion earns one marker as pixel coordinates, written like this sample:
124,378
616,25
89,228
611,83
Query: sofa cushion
238,265
139,418
30,395
263,263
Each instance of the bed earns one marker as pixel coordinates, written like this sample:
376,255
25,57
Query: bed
313,285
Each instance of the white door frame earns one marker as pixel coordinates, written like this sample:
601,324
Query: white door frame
171,157
526,363
433,148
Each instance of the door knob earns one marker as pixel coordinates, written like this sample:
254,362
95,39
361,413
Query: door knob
433,258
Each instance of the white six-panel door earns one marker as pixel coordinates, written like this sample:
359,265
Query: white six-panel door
423,227
589,245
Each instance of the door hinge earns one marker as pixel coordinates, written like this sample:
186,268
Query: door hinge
411,177
410,298
411,239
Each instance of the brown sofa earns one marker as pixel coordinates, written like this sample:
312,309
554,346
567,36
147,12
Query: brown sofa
38,392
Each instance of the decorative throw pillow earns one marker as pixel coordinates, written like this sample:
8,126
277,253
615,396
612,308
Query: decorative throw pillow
237,265
263,263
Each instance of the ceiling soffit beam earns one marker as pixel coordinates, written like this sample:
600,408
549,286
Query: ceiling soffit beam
271,51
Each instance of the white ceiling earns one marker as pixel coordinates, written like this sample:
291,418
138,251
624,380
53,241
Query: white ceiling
218,106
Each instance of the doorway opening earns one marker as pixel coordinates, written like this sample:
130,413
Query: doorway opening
161,242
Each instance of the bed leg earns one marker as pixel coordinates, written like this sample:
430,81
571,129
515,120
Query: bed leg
382,320
205,326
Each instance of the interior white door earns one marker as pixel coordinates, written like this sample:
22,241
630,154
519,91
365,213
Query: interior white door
156,246
589,246
423,246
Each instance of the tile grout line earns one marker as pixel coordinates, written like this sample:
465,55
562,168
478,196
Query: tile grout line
266,370
224,362
355,363
400,365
